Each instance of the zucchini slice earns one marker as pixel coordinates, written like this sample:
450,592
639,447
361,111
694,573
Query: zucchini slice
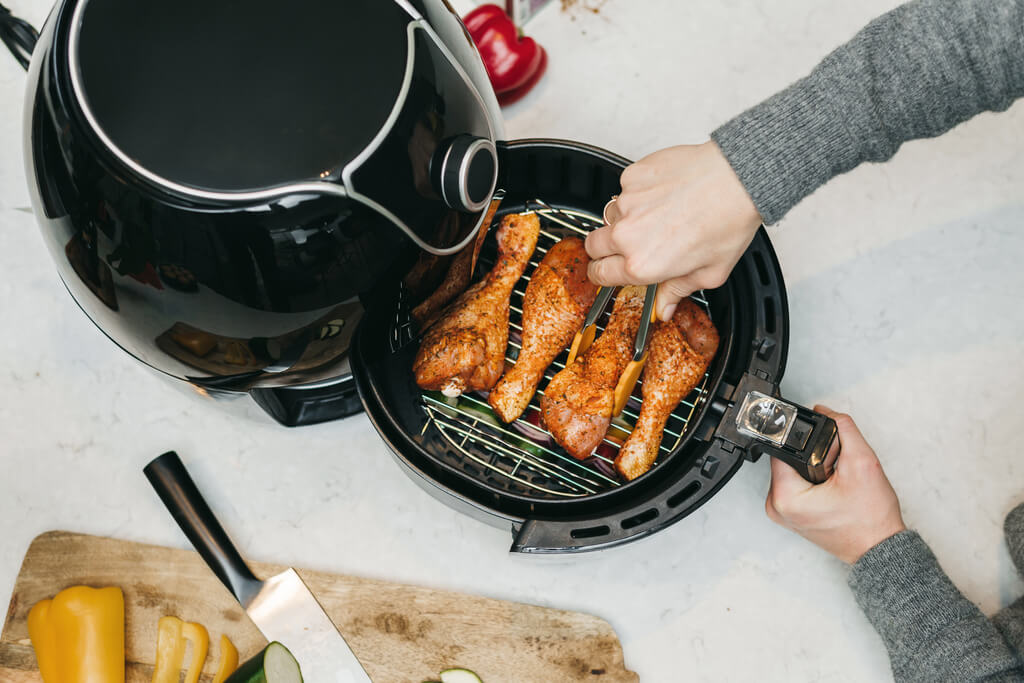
274,664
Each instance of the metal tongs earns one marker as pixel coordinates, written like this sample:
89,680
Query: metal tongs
585,337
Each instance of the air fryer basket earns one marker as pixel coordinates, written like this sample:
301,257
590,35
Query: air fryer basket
552,502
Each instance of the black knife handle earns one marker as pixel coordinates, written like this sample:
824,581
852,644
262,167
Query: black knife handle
176,489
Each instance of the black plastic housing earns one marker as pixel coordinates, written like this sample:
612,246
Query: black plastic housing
295,406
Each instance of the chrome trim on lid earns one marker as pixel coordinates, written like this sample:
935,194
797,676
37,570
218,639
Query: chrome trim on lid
413,12
467,161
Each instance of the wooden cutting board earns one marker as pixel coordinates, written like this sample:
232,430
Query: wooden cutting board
401,633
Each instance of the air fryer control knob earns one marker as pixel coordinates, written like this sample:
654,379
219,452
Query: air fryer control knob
464,171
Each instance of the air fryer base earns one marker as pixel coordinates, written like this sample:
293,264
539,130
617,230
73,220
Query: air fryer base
658,503
755,339
308,404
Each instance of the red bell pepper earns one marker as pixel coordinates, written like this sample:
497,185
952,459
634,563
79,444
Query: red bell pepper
512,61
517,94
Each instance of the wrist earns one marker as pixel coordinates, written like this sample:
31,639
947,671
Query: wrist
873,540
740,196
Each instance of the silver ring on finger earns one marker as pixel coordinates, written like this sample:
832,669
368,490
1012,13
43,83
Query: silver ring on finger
611,211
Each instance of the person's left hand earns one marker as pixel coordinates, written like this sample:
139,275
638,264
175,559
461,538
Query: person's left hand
851,512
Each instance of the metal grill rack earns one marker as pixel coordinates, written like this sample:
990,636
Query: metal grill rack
538,465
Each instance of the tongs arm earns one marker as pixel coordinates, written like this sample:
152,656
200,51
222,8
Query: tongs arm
640,345
629,377
585,337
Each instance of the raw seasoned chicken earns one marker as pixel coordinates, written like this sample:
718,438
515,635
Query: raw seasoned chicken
457,277
578,401
556,302
424,276
454,282
465,349
679,352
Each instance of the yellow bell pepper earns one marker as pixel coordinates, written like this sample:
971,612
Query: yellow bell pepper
170,650
44,640
228,660
78,636
172,635
200,639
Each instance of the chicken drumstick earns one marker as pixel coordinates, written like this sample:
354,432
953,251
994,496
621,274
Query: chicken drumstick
578,402
679,353
556,302
465,349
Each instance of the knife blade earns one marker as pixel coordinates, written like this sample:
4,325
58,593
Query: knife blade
282,606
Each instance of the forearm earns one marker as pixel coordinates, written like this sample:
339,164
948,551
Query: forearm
915,72
932,632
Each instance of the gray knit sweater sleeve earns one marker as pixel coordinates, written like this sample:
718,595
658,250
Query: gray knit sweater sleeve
933,633
913,73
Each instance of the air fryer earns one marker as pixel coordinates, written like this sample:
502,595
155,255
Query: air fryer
255,211
225,191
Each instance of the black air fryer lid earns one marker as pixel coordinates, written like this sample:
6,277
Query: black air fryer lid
231,102
233,96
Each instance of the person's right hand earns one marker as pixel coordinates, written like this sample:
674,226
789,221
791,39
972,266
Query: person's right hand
685,219
851,512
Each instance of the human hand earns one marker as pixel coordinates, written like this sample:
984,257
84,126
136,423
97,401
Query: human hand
848,514
684,221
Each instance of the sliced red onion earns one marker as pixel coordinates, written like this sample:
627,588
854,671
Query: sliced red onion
532,433
603,466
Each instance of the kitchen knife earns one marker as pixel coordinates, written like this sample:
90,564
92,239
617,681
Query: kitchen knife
282,607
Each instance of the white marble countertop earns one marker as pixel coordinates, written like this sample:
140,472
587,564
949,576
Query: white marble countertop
904,283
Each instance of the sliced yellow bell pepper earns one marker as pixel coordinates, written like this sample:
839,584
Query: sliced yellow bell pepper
200,639
172,636
78,636
228,660
170,650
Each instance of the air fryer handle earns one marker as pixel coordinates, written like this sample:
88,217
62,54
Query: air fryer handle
811,448
176,489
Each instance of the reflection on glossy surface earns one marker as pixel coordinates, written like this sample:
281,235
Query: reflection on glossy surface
94,273
259,94
240,364
445,21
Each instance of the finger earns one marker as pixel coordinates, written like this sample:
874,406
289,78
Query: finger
769,501
825,410
634,177
670,293
849,433
769,509
786,481
599,243
608,271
